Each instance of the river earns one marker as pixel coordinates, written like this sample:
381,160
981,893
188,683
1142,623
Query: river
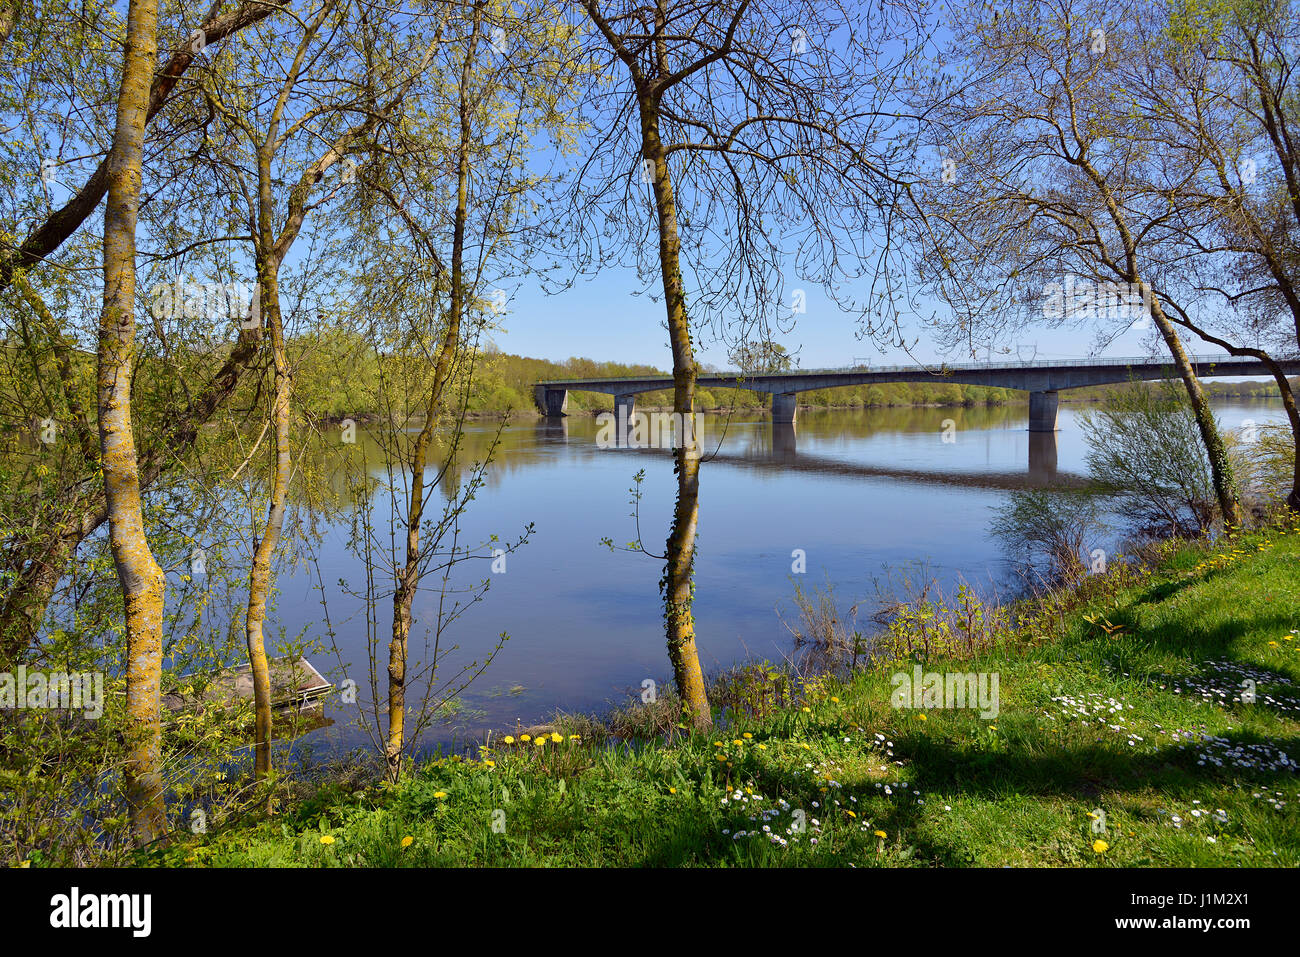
860,492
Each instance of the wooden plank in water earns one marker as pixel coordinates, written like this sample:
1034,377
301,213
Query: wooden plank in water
295,682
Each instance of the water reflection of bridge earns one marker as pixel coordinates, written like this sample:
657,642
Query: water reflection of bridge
780,454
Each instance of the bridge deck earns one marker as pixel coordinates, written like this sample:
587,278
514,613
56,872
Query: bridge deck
1029,376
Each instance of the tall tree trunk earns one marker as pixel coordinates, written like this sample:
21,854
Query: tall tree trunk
408,577
1293,418
11,11
141,578
1225,488
259,579
37,564
32,588
259,576
678,582
1279,376
33,575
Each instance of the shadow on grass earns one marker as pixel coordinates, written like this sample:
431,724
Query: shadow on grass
1202,644
1157,593
1083,772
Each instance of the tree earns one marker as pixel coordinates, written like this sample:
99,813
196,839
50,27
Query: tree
449,200
11,12
740,120
54,230
1143,450
761,357
1212,84
318,116
38,552
1039,178
141,578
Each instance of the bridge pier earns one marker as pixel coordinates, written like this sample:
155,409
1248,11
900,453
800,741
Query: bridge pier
551,402
783,407
784,443
1042,411
553,430
624,406
1042,456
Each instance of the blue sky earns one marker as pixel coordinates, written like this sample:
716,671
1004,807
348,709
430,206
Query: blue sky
603,318
610,316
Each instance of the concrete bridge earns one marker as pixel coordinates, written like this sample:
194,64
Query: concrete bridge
1042,379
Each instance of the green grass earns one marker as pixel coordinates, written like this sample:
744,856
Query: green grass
945,787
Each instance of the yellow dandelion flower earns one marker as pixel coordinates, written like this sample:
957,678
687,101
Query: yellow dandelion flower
722,757
509,739
747,736
921,717
738,742
575,737
851,814
835,699
540,741
763,746
717,744
491,764
408,841
807,710
440,794
1100,846
557,737
326,839
881,834
525,738
672,790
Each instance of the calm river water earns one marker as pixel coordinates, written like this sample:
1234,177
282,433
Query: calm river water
861,492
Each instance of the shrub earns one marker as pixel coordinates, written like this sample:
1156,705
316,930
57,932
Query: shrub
926,625
1050,530
1146,452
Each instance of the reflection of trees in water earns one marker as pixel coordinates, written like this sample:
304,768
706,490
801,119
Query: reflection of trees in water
864,423
750,442
475,445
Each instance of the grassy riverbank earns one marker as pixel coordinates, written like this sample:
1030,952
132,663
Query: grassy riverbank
1118,698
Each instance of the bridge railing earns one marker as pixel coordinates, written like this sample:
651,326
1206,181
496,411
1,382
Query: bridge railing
937,368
